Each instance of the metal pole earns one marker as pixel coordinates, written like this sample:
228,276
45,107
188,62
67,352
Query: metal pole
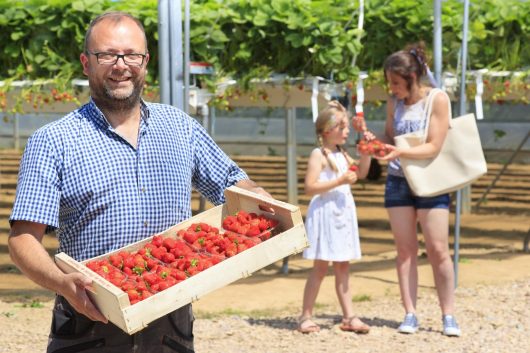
466,191
202,110
462,112
164,52
16,131
292,174
438,41
176,64
187,56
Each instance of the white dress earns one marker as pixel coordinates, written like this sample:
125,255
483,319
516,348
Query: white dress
331,220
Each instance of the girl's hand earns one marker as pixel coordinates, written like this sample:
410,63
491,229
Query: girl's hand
348,178
393,154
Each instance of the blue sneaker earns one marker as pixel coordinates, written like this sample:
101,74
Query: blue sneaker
409,325
450,326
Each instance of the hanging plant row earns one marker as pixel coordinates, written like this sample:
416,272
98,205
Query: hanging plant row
248,40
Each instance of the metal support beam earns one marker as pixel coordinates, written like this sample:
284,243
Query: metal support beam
459,193
292,174
176,55
501,172
164,77
437,45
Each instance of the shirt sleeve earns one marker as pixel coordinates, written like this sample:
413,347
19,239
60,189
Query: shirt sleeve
213,170
38,187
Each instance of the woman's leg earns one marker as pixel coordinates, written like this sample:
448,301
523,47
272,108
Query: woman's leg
312,286
435,227
342,287
403,225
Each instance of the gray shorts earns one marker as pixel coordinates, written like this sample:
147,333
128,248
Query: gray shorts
73,332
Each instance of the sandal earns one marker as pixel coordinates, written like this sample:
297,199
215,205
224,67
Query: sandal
306,325
354,324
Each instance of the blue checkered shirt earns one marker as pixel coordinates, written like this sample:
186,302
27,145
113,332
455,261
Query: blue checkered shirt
82,179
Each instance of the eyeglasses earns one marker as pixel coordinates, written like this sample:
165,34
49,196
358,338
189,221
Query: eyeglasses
133,59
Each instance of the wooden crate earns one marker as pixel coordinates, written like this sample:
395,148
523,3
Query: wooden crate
114,303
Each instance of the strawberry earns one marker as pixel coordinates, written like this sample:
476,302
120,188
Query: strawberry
253,231
169,243
116,261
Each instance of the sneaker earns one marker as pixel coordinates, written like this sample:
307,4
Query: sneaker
409,325
450,326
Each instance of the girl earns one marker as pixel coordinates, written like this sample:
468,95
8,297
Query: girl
406,113
331,219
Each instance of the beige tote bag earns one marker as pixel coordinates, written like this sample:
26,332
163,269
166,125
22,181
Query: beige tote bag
460,161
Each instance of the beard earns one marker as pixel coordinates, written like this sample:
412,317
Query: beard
109,99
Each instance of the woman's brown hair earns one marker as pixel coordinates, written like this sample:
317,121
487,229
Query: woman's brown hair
404,63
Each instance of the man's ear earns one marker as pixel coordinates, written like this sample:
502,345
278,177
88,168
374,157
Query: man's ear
84,61
147,57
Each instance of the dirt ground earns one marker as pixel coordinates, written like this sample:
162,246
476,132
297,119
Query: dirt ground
258,313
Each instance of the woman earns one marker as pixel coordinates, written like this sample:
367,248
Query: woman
404,71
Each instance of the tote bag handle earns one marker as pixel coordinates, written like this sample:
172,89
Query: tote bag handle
428,110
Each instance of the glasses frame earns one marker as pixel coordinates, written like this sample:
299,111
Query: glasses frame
118,56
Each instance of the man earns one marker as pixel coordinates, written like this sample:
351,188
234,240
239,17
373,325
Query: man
110,173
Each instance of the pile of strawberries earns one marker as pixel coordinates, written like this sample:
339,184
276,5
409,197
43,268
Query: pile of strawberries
372,147
166,261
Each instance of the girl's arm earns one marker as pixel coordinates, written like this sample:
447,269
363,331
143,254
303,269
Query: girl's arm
364,166
315,164
438,127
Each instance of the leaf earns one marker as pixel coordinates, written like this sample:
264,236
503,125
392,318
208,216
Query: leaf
296,39
219,36
499,134
78,6
17,35
39,58
260,19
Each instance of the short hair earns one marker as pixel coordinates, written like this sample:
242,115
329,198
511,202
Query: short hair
116,17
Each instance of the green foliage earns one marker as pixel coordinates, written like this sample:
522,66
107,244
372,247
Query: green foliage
361,298
246,39
496,33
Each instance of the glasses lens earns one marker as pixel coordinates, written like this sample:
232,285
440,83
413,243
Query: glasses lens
133,59
106,58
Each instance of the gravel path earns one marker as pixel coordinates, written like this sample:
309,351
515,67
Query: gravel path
493,318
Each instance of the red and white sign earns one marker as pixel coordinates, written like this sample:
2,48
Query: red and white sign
201,68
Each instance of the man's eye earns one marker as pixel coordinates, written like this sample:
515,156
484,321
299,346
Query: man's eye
107,56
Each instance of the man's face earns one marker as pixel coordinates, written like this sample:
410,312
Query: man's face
115,86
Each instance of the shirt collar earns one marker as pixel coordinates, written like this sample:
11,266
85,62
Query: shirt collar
99,118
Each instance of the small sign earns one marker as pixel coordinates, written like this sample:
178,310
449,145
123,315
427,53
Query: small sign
201,68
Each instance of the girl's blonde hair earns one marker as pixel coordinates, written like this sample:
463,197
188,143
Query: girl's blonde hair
327,119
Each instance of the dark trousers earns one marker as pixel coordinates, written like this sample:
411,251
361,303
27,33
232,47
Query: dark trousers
73,332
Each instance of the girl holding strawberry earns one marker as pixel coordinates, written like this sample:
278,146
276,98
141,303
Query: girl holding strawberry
331,220
404,71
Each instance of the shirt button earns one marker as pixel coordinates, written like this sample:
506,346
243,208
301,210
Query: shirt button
145,223
143,189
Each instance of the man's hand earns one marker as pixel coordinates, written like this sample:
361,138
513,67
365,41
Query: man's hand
250,185
75,285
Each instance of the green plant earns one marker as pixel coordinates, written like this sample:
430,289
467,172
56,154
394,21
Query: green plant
249,40
34,304
361,298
